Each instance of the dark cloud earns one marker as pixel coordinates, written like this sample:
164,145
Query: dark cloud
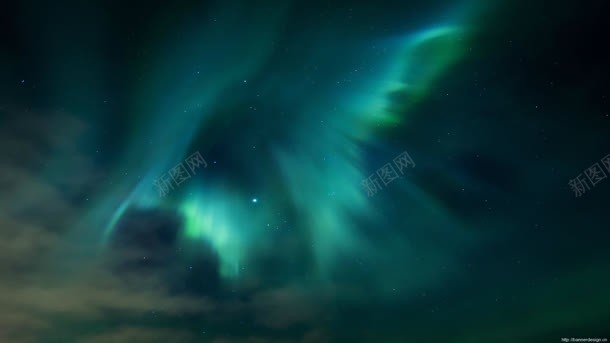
143,270
39,215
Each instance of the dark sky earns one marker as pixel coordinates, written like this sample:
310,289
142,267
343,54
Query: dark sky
304,171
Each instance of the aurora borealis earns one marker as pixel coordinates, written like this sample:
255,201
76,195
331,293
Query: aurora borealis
292,105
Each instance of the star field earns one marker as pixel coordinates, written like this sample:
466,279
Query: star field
292,171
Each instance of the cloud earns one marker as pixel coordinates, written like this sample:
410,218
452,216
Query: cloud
313,336
284,307
45,172
53,280
141,335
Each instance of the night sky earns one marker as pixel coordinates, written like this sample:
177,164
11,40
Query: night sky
304,171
